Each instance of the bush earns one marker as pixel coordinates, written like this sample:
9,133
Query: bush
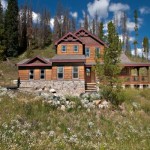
115,95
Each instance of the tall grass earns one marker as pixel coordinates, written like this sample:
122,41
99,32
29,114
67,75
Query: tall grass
29,123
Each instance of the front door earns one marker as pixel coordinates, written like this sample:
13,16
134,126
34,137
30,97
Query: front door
88,75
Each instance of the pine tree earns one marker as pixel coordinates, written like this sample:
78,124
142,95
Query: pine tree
93,26
136,31
23,29
57,29
109,71
146,46
2,46
124,30
101,31
11,29
86,25
73,24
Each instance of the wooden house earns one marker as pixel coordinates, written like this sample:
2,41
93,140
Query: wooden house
70,70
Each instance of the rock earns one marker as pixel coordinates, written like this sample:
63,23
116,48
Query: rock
39,90
96,102
84,95
91,105
45,88
95,96
104,105
63,108
45,95
52,90
88,110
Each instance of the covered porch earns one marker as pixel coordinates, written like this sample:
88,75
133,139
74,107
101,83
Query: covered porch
136,75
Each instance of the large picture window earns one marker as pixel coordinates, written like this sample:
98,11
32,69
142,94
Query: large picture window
60,72
31,74
75,72
63,48
42,76
87,52
75,48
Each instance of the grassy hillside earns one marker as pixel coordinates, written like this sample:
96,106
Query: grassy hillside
8,69
26,122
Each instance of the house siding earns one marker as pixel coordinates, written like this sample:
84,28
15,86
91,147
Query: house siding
23,74
68,72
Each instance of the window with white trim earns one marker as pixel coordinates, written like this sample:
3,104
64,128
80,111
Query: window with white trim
60,72
75,48
31,74
42,76
63,48
87,52
75,72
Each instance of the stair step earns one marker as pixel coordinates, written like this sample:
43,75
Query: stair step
90,90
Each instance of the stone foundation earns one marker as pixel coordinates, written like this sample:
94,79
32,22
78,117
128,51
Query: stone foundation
74,88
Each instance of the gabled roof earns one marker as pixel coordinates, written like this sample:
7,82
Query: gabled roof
30,62
125,61
69,37
79,32
68,58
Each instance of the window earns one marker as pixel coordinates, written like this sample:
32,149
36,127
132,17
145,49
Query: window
97,52
31,74
87,52
63,48
88,72
75,73
42,76
60,72
75,48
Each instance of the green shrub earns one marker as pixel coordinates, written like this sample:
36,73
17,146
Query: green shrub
115,95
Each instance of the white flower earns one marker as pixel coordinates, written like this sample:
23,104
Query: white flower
51,133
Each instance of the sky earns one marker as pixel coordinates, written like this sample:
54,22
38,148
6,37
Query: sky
106,10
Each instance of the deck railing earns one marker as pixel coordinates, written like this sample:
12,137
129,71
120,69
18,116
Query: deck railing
135,79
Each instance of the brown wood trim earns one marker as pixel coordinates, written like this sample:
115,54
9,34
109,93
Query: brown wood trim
68,60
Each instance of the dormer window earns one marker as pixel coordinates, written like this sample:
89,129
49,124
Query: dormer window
63,48
87,52
75,48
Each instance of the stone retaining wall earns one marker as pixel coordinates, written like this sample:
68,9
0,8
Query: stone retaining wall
74,88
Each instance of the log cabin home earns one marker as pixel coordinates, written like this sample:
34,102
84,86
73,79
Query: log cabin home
70,70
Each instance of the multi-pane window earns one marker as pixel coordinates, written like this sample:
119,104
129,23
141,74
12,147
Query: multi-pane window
75,72
60,72
31,74
42,76
97,52
75,48
87,52
63,48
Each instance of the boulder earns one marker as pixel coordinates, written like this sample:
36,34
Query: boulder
52,90
45,95
104,105
63,108
96,102
95,96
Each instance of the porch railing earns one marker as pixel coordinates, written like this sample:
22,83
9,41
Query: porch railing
135,79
